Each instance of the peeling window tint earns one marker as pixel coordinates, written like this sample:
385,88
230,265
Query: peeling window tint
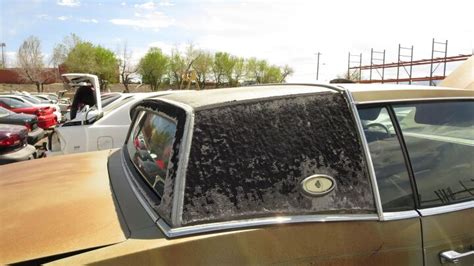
440,140
150,147
387,157
247,160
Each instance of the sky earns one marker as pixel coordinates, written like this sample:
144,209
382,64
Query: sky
282,32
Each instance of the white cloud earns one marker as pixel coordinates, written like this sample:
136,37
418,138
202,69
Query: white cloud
86,20
165,3
63,18
145,16
154,21
147,6
151,5
123,4
70,3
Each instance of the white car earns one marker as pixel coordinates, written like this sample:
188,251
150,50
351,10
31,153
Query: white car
94,130
35,102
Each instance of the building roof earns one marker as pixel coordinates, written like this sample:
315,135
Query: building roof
362,93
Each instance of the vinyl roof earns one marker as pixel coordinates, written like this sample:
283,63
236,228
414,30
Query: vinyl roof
362,93
212,97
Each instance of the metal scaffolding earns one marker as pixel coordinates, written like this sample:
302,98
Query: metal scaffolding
400,62
405,61
373,59
355,70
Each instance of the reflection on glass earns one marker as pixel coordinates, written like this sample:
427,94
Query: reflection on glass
440,140
150,147
387,157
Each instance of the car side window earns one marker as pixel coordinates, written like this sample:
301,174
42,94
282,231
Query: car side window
439,137
387,158
150,147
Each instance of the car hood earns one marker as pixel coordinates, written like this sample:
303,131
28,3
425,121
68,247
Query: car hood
57,205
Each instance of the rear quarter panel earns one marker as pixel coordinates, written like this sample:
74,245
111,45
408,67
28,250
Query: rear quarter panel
331,243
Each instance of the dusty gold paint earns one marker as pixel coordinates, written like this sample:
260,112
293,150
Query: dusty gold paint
372,94
449,231
56,205
331,243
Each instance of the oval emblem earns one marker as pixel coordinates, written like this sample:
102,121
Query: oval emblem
318,185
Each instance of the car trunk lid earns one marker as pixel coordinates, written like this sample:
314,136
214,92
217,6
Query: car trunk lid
57,205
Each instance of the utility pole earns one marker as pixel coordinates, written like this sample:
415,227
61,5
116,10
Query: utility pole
317,66
3,54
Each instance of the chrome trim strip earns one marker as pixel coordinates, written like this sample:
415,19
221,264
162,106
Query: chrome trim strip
447,208
393,216
416,100
137,193
247,224
365,147
180,179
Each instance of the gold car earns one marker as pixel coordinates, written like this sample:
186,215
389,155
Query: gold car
278,174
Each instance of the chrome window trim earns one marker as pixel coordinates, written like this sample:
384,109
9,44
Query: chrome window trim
416,100
365,147
447,208
250,223
180,179
154,216
393,216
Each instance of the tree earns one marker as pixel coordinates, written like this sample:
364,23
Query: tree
271,74
239,70
251,69
190,56
61,50
153,67
203,67
126,67
354,76
286,71
88,58
223,68
30,62
176,68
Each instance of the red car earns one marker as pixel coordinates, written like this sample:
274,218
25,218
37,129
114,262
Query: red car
14,145
46,118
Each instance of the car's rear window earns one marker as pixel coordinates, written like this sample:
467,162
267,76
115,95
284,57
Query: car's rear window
14,103
250,160
150,147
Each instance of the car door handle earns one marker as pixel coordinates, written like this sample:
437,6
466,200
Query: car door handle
452,256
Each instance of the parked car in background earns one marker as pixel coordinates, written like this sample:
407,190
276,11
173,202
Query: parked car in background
35,102
46,117
35,133
278,174
47,97
14,145
85,103
107,132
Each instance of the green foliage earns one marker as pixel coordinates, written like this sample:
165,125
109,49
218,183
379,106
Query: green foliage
153,67
176,66
192,66
202,66
85,57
